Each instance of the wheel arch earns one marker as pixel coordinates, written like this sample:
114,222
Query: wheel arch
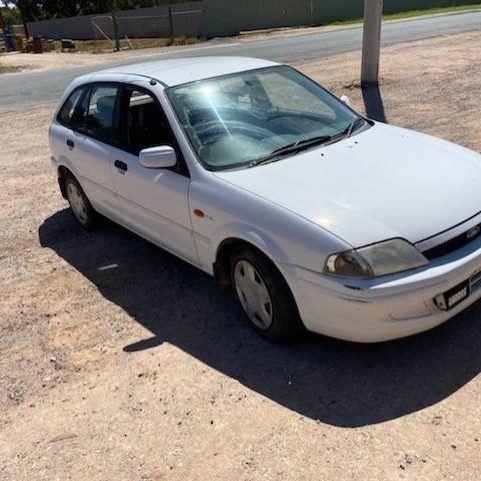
62,173
224,251
221,266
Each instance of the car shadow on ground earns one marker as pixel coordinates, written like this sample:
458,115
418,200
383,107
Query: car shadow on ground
342,384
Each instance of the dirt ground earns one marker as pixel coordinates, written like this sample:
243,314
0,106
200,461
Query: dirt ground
119,362
88,53
22,62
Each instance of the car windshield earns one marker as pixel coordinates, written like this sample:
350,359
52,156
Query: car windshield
248,118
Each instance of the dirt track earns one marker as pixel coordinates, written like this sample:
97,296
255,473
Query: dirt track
120,362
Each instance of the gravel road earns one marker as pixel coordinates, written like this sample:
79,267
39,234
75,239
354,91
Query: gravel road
120,362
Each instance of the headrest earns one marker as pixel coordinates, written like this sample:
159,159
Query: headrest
105,105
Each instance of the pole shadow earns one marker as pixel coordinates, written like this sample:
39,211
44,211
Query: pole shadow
373,103
338,383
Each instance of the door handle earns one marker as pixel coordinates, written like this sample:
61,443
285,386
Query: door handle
121,165
70,143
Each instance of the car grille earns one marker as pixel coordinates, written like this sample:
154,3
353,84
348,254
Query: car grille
452,245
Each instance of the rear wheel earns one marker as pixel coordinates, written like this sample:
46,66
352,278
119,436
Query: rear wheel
80,206
264,295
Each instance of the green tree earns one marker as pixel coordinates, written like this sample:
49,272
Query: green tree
28,11
72,8
11,16
31,10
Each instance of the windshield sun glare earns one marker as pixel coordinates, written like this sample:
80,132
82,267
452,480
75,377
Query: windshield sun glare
253,117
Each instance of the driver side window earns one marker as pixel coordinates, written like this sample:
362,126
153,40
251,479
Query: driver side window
145,124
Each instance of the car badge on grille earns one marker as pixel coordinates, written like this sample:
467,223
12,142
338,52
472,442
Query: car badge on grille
474,232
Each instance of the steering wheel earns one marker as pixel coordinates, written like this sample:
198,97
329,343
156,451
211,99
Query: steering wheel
216,130
303,115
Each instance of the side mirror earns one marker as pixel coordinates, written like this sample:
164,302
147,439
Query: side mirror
345,100
158,157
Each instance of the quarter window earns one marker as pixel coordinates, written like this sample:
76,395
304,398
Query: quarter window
80,113
100,116
66,114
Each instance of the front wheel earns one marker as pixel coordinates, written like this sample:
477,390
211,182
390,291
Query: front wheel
264,295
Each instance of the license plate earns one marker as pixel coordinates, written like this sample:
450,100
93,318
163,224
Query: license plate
453,297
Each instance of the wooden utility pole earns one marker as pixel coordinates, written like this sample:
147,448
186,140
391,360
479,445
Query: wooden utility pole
371,41
171,24
115,31
115,27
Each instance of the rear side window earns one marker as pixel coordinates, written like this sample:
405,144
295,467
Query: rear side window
66,113
100,114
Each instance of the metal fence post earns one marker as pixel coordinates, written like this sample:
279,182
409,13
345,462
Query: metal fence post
371,41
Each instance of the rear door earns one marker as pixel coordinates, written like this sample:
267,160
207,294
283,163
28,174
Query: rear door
153,202
90,143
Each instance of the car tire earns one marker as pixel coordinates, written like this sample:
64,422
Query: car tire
80,206
264,295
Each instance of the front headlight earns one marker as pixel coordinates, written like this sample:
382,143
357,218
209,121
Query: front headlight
388,257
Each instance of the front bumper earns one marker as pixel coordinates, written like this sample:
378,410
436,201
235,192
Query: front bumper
391,307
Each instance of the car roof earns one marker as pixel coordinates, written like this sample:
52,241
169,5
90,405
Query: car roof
184,70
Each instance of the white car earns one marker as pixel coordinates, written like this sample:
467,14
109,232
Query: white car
247,169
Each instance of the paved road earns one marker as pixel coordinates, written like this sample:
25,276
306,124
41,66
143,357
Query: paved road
30,88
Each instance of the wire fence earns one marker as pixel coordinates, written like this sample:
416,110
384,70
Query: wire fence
179,20
115,28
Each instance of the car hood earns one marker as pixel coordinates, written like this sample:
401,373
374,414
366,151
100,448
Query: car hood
382,183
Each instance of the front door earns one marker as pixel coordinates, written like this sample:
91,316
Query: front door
153,202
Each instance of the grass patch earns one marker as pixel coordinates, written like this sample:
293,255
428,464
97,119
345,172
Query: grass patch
104,46
416,13
431,11
9,69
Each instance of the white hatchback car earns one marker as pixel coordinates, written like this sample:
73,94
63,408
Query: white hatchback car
252,172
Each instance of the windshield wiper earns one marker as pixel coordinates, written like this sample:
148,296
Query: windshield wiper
347,132
295,147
